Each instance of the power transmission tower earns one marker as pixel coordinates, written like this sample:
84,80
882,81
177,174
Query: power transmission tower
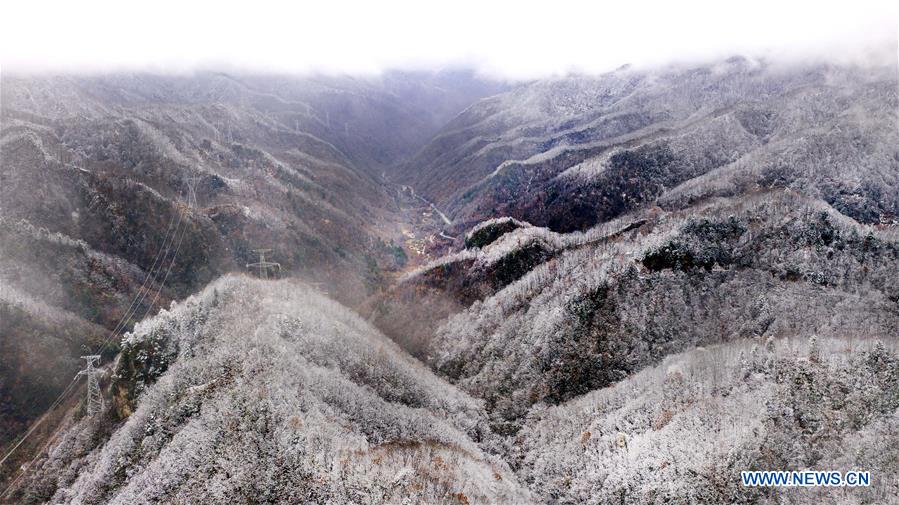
318,287
263,265
192,191
94,400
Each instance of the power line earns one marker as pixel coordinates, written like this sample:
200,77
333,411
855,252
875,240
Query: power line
167,272
94,400
135,302
49,441
138,298
142,292
40,420
192,201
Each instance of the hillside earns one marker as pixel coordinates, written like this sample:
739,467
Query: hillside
570,152
623,288
265,391
255,391
536,316
683,431
96,212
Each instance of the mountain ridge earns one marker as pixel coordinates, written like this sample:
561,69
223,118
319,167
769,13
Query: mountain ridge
567,290
510,155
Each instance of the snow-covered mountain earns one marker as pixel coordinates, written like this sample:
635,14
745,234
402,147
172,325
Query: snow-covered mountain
623,288
683,431
94,194
266,391
535,316
254,391
573,151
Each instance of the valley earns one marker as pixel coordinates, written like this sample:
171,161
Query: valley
618,288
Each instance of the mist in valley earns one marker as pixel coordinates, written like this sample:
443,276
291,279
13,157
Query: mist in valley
371,262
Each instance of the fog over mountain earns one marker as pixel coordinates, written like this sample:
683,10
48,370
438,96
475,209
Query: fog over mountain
361,269
96,225
520,41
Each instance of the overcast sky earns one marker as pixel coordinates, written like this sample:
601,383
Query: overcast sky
505,39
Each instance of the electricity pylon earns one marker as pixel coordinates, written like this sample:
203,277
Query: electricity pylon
94,400
192,191
263,265
318,287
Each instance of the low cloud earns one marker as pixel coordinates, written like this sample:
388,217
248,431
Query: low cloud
502,39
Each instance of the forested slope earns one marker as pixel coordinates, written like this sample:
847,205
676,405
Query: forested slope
570,152
256,391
